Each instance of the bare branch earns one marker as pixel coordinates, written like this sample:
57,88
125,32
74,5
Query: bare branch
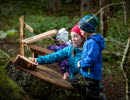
108,6
113,40
124,60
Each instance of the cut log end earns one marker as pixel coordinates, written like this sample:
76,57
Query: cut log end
25,63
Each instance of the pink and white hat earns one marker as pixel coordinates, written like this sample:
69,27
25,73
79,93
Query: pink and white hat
62,35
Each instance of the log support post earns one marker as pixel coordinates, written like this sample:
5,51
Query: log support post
21,35
34,55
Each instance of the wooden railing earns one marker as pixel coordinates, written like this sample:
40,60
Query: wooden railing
26,42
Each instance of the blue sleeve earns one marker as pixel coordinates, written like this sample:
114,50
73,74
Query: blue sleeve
90,54
55,57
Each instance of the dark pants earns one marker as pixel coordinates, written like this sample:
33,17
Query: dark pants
90,88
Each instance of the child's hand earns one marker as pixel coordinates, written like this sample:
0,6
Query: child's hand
66,76
33,60
78,65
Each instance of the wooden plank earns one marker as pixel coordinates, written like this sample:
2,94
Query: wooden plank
29,28
39,50
21,35
39,37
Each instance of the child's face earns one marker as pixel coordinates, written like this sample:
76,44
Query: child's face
76,39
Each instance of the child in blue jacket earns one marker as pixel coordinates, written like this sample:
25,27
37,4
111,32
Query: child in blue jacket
91,61
72,53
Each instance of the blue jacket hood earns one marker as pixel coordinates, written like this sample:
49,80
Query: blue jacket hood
99,40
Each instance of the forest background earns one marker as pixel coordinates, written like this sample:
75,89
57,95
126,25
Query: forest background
45,15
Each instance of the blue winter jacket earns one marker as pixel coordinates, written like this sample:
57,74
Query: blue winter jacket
66,53
91,60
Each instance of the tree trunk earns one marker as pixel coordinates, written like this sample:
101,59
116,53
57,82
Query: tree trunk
53,6
44,83
128,4
104,17
88,6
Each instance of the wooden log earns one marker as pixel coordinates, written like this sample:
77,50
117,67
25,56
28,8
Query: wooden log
25,62
21,35
29,28
39,50
39,37
44,83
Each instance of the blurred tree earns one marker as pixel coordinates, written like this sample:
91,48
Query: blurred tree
89,6
68,1
104,15
52,6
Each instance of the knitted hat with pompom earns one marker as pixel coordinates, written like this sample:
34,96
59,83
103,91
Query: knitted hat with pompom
62,35
88,23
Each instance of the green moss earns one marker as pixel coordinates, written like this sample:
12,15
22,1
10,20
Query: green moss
9,90
4,58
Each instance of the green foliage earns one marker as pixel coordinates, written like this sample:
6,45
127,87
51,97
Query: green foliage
2,35
11,32
71,93
21,7
4,58
112,69
68,93
111,63
42,24
117,29
7,33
